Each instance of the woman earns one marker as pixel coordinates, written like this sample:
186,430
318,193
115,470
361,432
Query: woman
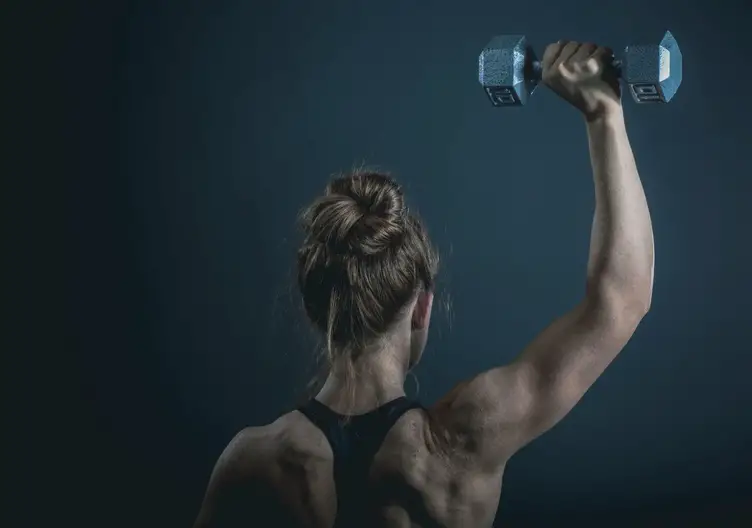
360,453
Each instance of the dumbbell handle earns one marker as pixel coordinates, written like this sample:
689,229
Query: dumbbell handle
538,69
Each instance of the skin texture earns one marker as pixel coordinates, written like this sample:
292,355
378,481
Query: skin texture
282,472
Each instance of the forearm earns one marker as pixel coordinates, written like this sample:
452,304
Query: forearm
621,246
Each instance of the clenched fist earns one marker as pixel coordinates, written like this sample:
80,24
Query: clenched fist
583,75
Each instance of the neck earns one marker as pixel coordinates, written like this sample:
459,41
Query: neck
379,377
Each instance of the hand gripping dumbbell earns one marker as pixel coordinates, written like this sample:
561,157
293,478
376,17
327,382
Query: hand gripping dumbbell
509,70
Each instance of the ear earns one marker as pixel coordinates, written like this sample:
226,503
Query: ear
422,310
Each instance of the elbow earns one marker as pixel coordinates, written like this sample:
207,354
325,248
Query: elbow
648,300
635,302
632,299
640,295
624,284
636,298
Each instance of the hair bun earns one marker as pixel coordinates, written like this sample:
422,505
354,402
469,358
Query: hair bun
362,213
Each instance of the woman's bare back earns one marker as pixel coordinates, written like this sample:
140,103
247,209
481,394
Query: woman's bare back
282,474
420,486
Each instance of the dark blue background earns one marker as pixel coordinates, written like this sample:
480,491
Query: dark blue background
162,151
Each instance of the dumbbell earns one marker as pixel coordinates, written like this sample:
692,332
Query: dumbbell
509,70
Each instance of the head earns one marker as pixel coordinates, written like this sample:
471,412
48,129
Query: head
366,269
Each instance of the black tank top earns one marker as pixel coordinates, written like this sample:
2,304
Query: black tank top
354,445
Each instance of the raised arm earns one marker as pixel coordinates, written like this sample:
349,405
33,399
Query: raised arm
501,410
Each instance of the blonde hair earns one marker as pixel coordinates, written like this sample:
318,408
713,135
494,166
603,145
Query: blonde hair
363,258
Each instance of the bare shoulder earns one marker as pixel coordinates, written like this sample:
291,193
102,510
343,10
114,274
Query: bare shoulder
243,461
254,450
246,452
480,416
254,470
497,412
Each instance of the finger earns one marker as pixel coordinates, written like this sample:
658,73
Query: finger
551,54
584,52
604,55
603,51
567,53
